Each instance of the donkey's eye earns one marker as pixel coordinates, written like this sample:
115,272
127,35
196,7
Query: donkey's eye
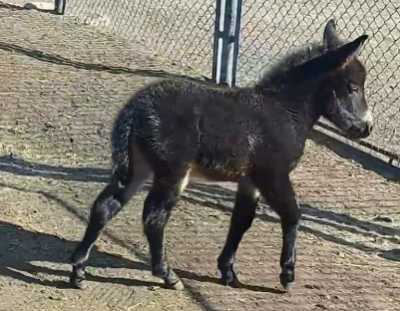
352,88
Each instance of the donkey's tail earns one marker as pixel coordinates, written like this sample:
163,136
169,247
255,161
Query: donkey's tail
120,136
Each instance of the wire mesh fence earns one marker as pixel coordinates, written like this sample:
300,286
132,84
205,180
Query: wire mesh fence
271,28
182,30
176,29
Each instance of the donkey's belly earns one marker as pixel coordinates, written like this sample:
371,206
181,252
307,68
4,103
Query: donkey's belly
215,174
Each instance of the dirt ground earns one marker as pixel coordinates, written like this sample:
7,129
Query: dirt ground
57,107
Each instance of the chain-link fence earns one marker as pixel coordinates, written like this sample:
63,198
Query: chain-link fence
271,28
182,30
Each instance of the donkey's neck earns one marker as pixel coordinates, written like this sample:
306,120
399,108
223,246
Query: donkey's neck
299,103
303,108
298,96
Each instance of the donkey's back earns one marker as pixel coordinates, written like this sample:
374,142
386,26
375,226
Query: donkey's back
216,132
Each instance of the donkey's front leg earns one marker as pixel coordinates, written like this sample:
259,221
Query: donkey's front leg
242,217
281,197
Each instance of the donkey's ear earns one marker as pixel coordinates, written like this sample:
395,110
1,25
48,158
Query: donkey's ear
327,62
331,39
342,56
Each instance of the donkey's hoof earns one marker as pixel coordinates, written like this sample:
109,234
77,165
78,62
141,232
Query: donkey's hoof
77,277
177,285
287,280
229,278
288,286
76,282
171,280
235,283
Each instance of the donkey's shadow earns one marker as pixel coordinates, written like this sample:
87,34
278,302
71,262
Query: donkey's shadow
20,247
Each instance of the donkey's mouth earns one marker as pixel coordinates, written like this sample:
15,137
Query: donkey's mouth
356,132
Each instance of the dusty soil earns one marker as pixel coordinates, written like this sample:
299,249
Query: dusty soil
57,108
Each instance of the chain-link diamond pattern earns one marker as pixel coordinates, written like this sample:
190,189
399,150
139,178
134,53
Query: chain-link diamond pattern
182,30
271,28
176,29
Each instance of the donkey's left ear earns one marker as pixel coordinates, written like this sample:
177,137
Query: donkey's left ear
331,39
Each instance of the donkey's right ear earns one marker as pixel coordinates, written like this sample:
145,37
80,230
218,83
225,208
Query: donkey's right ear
346,53
331,39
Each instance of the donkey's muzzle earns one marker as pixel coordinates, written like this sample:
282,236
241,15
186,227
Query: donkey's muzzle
360,131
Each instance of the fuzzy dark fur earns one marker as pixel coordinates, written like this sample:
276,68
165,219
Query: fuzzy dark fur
255,136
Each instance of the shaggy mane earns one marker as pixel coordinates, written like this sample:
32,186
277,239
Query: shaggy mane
276,72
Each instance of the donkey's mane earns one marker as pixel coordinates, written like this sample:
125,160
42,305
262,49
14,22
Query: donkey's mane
276,73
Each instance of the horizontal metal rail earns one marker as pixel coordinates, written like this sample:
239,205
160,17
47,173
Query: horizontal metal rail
392,156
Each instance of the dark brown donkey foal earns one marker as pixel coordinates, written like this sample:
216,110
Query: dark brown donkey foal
253,135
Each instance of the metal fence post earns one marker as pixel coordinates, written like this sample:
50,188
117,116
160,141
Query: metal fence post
59,6
226,41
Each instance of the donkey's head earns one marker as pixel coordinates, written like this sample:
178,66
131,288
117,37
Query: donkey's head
339,77
342,92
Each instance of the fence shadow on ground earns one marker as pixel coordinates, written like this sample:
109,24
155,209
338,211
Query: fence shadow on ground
26,7
16,261
60,60
25,168
368,161
19,260
210,195
310,213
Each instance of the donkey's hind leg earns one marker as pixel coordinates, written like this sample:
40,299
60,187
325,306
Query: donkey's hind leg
109,202
157,209
241,220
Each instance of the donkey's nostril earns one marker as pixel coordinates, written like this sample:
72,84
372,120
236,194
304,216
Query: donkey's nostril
367,129
370,126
